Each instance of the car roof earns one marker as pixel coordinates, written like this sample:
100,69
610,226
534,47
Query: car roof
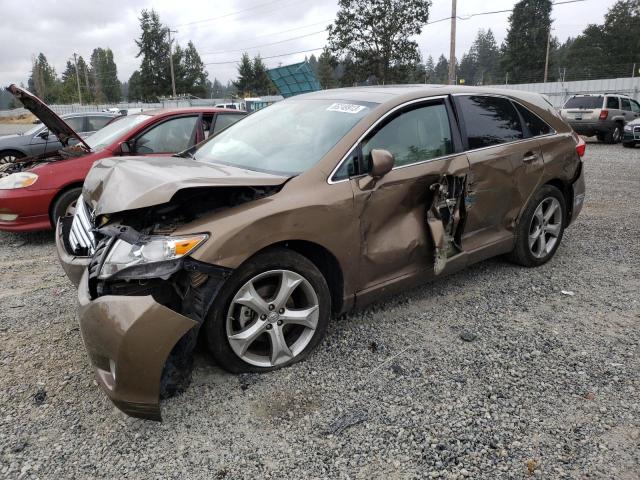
172,111
392,93
89,114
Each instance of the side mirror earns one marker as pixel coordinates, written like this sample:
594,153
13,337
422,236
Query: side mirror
382,162
125,148
44,134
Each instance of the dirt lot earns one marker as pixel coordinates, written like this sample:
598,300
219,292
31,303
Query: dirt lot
491,373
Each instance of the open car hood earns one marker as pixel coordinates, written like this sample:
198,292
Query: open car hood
127,183
48,117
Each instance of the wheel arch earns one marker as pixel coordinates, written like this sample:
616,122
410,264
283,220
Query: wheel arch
61,192
567,193
324,260
19,150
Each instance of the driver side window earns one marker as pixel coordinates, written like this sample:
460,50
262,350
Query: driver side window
171,136
413,136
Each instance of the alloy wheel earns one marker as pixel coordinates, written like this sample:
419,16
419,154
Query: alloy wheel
272,318
545,228
8,158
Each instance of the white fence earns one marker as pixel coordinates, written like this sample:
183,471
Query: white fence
559,92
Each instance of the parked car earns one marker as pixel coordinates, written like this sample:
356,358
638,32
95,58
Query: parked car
38,139
631,136
602,115
230,106
36,190
309,207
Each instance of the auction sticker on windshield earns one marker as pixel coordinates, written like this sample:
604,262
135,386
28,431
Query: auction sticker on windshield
345,108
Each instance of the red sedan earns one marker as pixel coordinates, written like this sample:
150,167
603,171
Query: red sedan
36,191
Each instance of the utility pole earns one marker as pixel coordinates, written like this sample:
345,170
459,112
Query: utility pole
452,50
75,62
546,59
173,77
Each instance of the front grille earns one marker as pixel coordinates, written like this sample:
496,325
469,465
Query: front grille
81,237
636,133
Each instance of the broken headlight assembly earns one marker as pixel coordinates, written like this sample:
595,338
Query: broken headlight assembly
151,257
18,180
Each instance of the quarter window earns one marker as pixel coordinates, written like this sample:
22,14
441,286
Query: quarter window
535,124
413,136
489,120
169,137
612,102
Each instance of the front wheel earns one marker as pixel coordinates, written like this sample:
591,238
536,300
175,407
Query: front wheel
10,156
272,312
540,228
65,204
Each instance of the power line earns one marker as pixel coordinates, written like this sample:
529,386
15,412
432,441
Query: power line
264,44
271,56
231,14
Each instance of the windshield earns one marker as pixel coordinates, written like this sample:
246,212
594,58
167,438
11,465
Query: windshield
106,136
584,102
289,137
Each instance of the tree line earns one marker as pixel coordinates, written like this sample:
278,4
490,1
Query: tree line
370,42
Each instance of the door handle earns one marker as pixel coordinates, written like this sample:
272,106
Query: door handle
530,157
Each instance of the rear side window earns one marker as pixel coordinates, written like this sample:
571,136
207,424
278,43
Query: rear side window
535,124
612,102
584,102
95,123
626,104
489,121
77,123
224,120
635,107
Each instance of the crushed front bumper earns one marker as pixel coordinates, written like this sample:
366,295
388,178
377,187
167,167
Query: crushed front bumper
72,265
128,340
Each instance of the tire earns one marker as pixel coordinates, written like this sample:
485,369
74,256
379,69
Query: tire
614,135
7,156
65,204
530,254
230,314
628,144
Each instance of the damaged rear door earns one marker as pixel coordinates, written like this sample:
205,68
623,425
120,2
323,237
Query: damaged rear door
412,218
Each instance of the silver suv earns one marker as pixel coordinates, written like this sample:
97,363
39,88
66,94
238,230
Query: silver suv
602,115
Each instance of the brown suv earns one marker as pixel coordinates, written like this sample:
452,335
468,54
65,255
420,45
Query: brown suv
311,207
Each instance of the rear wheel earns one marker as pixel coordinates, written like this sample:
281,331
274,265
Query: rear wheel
614,135
8,156
272,312
65,204
540,228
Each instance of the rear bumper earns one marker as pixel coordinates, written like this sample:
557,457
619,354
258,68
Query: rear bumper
578,189
128,340
590,129
73,266
30,208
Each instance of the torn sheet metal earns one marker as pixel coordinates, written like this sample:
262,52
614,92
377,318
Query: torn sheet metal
445,218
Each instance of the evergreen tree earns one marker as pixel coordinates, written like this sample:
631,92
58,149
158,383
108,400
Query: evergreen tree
43,80
325,69
135,93
441,71
313,63
261,82
526,43
103,74
429,70
153,45
377,34
195,76
245,80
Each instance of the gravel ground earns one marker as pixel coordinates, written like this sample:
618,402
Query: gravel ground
490,373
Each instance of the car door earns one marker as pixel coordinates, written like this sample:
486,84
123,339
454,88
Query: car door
396,241
168,137
506,167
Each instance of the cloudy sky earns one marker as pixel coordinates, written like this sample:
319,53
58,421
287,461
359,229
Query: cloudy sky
222,29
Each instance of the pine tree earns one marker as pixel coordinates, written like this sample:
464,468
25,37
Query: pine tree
153,45
325,70
526,43
430,70
245,80
43,81
441,71
194,72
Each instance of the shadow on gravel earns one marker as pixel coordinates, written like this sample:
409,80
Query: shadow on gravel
21,239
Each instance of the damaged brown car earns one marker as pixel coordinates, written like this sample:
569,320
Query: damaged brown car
306,209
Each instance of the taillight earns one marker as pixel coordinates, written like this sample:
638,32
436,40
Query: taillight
581,146
604,114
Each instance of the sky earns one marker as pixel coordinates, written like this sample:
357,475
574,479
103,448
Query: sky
222,29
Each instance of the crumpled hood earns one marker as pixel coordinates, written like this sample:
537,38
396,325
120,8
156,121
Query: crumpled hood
126,183
48,117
